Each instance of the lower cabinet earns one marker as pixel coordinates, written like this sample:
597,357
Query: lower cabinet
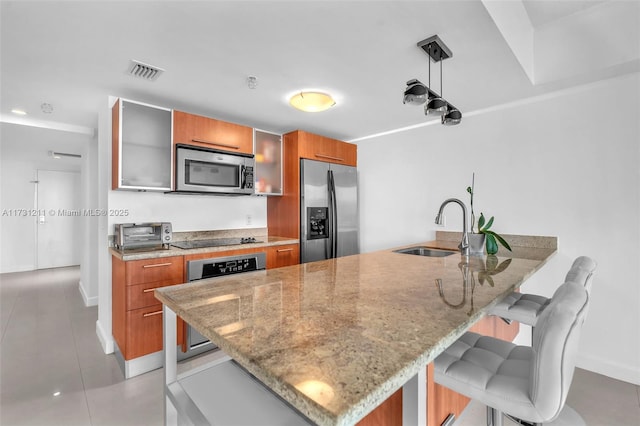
285,255
136,313
144,334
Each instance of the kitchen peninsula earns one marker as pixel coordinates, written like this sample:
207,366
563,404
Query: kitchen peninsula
357,328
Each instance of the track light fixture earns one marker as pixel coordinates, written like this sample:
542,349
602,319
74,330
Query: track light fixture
415,93
418,93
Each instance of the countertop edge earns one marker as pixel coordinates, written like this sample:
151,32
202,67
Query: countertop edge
271,241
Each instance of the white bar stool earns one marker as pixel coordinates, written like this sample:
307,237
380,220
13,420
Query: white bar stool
525,382
526,308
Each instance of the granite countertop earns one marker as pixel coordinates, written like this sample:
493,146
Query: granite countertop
145,253
335,338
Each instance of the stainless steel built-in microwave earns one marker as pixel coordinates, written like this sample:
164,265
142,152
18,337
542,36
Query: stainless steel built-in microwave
211,171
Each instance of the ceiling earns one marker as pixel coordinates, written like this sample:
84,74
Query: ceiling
73,55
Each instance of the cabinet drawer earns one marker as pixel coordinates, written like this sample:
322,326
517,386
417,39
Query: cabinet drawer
169,269
141,295
285,255
208,132
144,331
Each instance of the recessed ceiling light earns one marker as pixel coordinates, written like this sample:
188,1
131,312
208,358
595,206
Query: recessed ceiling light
18,111
312,101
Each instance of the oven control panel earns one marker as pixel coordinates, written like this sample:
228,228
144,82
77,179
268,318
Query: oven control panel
217,267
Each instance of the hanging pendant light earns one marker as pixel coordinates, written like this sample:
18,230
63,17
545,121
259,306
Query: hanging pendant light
417,93
452,117
436,105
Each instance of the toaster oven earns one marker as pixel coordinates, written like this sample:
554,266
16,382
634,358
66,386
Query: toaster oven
143,235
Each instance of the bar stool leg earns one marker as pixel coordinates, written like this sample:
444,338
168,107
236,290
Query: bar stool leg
494,417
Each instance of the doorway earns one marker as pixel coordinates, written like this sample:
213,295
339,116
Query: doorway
59,221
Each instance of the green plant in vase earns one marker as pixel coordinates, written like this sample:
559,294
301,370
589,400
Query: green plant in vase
491,237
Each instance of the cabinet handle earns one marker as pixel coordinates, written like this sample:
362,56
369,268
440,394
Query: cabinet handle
152,313
329,157
149,290
157,265
283,250
216,143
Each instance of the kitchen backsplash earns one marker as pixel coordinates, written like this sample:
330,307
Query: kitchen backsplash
188,212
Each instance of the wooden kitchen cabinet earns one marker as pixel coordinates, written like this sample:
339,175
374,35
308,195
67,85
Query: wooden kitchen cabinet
141,146
210,133
136,313
321,148
268,156
283,213
285,255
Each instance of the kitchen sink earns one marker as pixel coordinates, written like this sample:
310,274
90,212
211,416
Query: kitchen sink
426,251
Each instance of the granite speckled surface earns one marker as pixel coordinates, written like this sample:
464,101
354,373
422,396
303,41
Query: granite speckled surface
335,338
259,234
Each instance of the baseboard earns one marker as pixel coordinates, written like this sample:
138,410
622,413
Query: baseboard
88,301
106,340
596,365
21,268
609,369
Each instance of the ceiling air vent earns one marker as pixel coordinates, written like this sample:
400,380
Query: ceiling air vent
144,71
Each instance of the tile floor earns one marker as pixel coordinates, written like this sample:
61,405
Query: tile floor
53,370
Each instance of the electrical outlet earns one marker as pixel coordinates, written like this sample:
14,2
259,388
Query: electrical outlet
248,219
444,222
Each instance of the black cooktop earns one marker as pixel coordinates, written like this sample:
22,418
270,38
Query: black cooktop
215,242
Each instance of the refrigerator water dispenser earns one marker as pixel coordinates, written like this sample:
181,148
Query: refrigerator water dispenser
317,226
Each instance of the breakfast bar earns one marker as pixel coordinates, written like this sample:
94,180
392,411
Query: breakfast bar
334,339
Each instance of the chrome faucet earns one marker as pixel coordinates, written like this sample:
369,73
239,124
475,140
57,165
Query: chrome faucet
464,244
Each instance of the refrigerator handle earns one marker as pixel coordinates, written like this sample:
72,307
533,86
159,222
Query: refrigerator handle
333,216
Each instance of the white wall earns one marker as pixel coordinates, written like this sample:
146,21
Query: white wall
24,150
189,212
566,165
88,267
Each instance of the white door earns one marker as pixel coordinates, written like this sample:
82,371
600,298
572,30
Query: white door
60,220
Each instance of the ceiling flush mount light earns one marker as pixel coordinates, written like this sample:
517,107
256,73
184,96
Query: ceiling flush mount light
312,101
418,93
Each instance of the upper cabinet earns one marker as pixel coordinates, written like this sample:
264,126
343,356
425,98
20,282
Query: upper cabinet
141,146
321,148
268,156
207,132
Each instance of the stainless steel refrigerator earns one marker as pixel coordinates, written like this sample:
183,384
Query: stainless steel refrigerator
328,210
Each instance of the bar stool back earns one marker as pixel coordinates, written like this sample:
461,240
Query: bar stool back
526,308
526,382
